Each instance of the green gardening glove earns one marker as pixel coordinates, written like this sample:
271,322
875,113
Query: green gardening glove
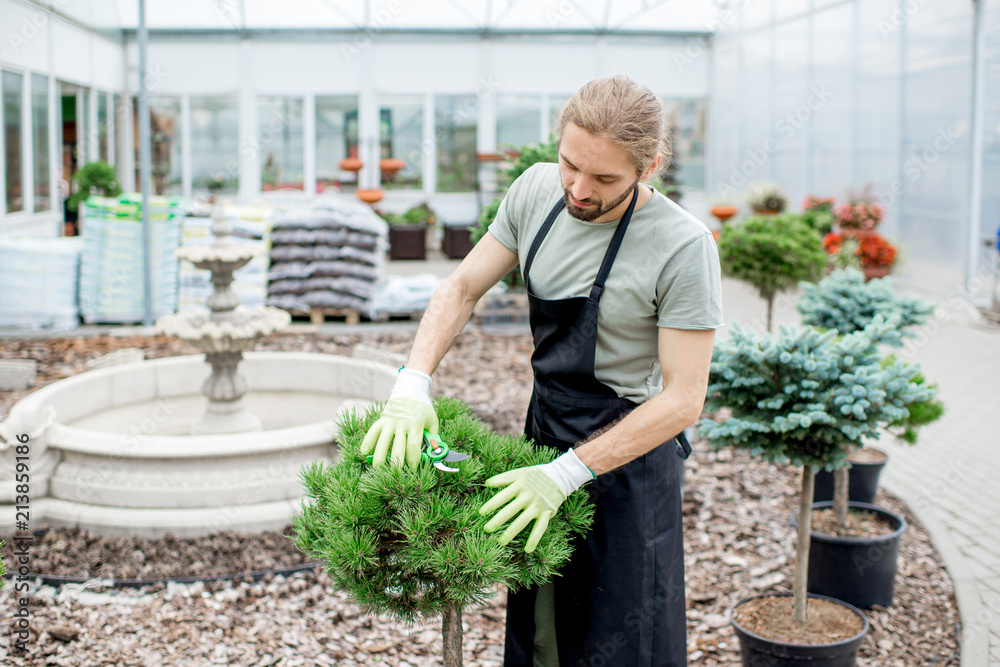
533,494
406,415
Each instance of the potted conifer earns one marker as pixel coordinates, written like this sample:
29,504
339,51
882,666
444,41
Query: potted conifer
411,542
845,302
772,253
806,398
767,199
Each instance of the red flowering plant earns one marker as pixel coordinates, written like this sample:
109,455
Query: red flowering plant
871,249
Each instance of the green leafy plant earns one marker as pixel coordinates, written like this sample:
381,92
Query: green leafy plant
3,568
93,178
807,398
772,253
411,542
845,302
525,157
529,155
919,413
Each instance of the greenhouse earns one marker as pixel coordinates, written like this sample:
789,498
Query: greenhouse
499,332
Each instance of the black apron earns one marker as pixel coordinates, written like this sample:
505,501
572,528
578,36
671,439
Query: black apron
620,599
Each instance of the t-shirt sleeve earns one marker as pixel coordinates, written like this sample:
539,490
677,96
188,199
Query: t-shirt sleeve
689,290
506,224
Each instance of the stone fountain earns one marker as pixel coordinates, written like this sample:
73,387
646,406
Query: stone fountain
225,332
175,445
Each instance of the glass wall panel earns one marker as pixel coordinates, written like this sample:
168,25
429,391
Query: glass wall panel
282,153
40,142
937,84
519,120
756,120
686,119
401,135
789,158
455,135
13,159
165,145
215,139
990,214
336,138
102,126
877,113
724,140
827,106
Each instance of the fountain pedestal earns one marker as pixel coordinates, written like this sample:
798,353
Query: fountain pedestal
225,333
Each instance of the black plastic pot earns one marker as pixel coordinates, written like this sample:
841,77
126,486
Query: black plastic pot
756,651
407,242
862,486
858,570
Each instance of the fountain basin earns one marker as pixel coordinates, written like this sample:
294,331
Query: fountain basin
111,451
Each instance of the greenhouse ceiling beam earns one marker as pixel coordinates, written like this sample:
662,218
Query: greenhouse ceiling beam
321,34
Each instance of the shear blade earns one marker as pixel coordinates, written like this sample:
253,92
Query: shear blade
455,456
441,466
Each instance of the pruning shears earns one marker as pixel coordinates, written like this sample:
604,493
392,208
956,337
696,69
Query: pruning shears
436,451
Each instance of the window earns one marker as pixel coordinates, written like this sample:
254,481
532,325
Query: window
215,140
281,143
164,144
102,126
401,135
336,137
455,137
686,119
13,161
519,120
40,141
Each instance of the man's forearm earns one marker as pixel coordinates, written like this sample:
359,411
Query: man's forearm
642,430
442,322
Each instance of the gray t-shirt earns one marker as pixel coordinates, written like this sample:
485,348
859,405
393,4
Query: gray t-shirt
666,274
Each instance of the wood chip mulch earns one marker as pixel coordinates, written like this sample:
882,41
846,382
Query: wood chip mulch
739,542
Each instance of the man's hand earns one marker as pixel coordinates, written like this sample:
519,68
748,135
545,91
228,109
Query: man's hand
406,415
534,494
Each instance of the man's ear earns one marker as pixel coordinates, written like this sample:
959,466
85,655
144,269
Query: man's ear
651,169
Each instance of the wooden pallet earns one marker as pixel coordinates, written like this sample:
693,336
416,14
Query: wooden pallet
320,315
408,316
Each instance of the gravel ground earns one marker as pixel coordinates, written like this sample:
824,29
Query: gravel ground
737,525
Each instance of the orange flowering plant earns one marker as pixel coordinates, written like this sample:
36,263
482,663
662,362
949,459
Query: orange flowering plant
871,249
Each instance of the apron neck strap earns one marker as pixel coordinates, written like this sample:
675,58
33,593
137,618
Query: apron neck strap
539,237
616,241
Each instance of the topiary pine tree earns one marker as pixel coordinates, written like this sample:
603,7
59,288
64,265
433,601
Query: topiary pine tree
411,542
808,398
772,253
845,302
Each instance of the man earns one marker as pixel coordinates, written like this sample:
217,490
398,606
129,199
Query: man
624,343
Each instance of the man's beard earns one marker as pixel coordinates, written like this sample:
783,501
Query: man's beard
592,213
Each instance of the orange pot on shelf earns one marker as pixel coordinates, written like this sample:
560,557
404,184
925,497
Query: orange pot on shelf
370,196
351,164
391,165
723,213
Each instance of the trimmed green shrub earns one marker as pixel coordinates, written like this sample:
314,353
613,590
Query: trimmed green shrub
772,253
411,542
